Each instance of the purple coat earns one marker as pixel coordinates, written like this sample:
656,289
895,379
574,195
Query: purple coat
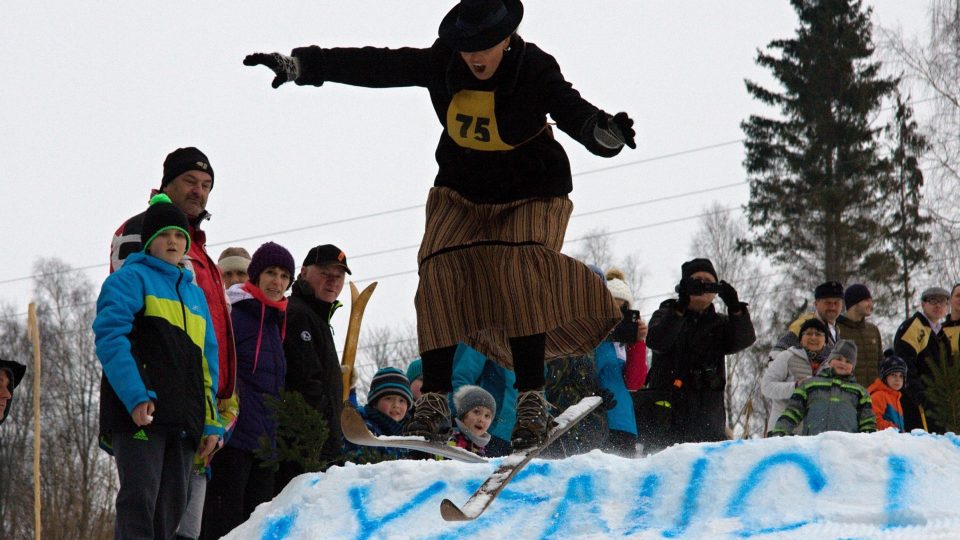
260,372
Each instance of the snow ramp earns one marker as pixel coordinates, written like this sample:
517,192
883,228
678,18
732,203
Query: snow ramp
835,485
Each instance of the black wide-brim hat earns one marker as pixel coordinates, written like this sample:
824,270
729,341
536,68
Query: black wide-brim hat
477,25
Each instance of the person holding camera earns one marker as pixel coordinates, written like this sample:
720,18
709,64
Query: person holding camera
683,399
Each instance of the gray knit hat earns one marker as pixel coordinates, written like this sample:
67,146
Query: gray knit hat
467,397
844,348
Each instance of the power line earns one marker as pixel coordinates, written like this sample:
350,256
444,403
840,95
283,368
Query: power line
401,248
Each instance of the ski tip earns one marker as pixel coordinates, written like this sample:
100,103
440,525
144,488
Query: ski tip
451,512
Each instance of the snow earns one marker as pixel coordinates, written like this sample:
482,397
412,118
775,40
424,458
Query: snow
836,485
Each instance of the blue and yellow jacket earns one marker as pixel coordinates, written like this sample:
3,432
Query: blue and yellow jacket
155,341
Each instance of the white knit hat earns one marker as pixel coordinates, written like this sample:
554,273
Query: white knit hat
620,290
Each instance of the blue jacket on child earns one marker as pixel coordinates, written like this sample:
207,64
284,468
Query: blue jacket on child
155,341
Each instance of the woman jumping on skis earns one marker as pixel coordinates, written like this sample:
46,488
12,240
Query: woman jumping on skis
491,271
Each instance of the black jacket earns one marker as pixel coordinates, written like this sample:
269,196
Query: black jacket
919,347
313,368
689,369
527,86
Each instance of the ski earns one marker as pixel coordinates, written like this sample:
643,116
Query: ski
514,463
355,431
358,303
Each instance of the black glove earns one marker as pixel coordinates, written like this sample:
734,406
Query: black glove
683,289
614,131
729,295
609,401
287,68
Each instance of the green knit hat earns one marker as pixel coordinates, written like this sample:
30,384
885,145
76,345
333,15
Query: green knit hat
163,215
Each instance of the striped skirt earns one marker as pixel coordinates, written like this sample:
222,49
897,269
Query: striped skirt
489,272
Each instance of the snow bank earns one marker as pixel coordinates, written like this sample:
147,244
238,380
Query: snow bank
836,485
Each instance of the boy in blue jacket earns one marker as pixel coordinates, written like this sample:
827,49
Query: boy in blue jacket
155,342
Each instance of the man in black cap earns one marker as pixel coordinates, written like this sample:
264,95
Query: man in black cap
11,373
313,368
683,399
921,342
827,304
853,325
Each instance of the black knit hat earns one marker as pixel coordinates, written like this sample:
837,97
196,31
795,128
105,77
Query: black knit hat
15,372
477,25
163,215
386,382
182,160
855,294
813,322
267,255
828,289
691,267
892,363
326,254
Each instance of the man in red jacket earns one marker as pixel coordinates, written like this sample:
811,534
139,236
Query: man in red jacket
187,180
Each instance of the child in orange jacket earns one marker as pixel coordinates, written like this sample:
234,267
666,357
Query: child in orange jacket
885,392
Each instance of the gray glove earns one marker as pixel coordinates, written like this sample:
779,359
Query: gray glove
614,131
286,68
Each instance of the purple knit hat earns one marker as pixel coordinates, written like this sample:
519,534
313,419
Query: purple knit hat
267,255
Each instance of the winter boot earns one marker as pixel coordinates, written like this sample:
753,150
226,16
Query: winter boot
431,418
533,420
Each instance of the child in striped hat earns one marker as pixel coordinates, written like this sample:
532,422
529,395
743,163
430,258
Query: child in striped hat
388,407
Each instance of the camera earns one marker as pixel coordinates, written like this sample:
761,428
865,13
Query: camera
697,287
626,330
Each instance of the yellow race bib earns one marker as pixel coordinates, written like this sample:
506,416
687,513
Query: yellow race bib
472,123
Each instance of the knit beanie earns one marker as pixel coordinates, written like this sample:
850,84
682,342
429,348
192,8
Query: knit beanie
892,364
182,160
618,286
234,259
844,348
828,289
814,322
469,396
160,216
415,370
693,266
389,381
267,255
855,294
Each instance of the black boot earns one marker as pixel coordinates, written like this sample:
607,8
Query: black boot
431,418
533,420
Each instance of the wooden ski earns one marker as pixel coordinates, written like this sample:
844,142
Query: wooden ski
355,431
358,303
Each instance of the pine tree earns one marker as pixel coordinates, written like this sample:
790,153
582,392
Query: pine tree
301,433
909,234
815,200
943,395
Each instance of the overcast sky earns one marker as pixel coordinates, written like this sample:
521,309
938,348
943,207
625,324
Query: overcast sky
95,94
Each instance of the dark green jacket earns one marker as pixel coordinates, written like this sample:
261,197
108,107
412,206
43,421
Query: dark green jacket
869,347
828,402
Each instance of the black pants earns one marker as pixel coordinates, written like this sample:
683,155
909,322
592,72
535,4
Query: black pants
237,485
154,470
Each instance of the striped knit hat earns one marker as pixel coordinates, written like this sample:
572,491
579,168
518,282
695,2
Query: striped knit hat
389,381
